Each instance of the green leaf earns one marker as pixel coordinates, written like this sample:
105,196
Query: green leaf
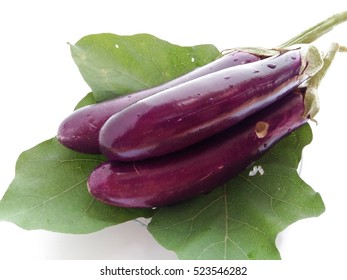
115,65
241,219
87,100
50,192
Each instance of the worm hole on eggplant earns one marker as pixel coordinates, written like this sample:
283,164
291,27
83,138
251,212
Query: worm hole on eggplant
261,129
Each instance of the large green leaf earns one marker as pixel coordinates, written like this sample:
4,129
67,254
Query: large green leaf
241,219
114,65
50,192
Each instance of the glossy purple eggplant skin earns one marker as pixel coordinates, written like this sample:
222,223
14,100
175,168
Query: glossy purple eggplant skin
190,112
199,168
80,130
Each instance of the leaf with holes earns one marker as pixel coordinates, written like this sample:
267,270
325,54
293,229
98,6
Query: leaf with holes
241,219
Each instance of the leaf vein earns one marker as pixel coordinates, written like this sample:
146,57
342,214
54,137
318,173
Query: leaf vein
43,203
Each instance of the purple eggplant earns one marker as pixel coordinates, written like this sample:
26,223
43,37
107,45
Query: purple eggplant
201,167
80,130
190,112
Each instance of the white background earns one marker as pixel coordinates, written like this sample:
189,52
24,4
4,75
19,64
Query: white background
40,85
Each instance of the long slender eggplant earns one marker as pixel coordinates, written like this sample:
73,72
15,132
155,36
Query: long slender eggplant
178,117
80,130
201,167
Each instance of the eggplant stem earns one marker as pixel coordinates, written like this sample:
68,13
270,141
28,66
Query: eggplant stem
313,33
306,37
343,49
311,97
